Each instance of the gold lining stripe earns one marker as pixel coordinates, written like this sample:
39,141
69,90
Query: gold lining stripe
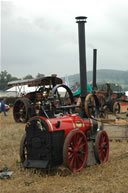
72,122
50,124
83,124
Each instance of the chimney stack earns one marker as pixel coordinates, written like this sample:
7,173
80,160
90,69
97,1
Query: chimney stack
94,67
82,60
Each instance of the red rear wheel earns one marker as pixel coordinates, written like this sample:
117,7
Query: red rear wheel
75,151
102,146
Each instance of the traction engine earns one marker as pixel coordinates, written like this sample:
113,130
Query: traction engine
29,104
101,101
66,137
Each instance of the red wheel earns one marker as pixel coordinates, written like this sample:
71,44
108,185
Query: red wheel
102,146
75,150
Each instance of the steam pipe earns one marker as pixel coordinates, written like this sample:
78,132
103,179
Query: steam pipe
94,67
82,60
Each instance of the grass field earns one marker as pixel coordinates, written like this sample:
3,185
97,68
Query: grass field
111,177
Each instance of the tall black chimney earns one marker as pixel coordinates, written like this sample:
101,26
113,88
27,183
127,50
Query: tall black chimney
82,59
94,67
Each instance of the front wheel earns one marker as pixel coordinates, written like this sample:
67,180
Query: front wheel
75,150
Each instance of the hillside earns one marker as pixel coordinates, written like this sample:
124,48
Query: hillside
114,76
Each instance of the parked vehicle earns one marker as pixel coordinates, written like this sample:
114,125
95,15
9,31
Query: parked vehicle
50,92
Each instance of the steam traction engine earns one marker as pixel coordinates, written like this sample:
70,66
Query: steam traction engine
65,137
102,100
28,105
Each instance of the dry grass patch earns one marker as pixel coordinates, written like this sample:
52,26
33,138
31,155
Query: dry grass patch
111,177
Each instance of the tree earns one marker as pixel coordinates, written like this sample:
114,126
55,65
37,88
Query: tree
40,75
5,77
28,77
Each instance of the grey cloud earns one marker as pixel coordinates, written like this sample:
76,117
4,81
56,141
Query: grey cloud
26,49
46,45
7,8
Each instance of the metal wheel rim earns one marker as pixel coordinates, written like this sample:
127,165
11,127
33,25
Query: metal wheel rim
23,149
55,91
94,105
20,110
116,108
20,114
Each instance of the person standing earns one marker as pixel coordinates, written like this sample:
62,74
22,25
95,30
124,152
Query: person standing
2,108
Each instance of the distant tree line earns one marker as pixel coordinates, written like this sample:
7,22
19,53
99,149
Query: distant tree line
104,76
110,76
6,77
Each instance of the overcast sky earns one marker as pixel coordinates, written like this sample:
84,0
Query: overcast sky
42,36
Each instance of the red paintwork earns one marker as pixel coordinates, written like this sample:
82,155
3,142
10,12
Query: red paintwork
122,97
113,96
67,123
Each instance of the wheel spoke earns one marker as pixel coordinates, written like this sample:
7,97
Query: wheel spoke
70,156
80,140
75,139
71,162
77,161
70,149
82,145
74,162
81,158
